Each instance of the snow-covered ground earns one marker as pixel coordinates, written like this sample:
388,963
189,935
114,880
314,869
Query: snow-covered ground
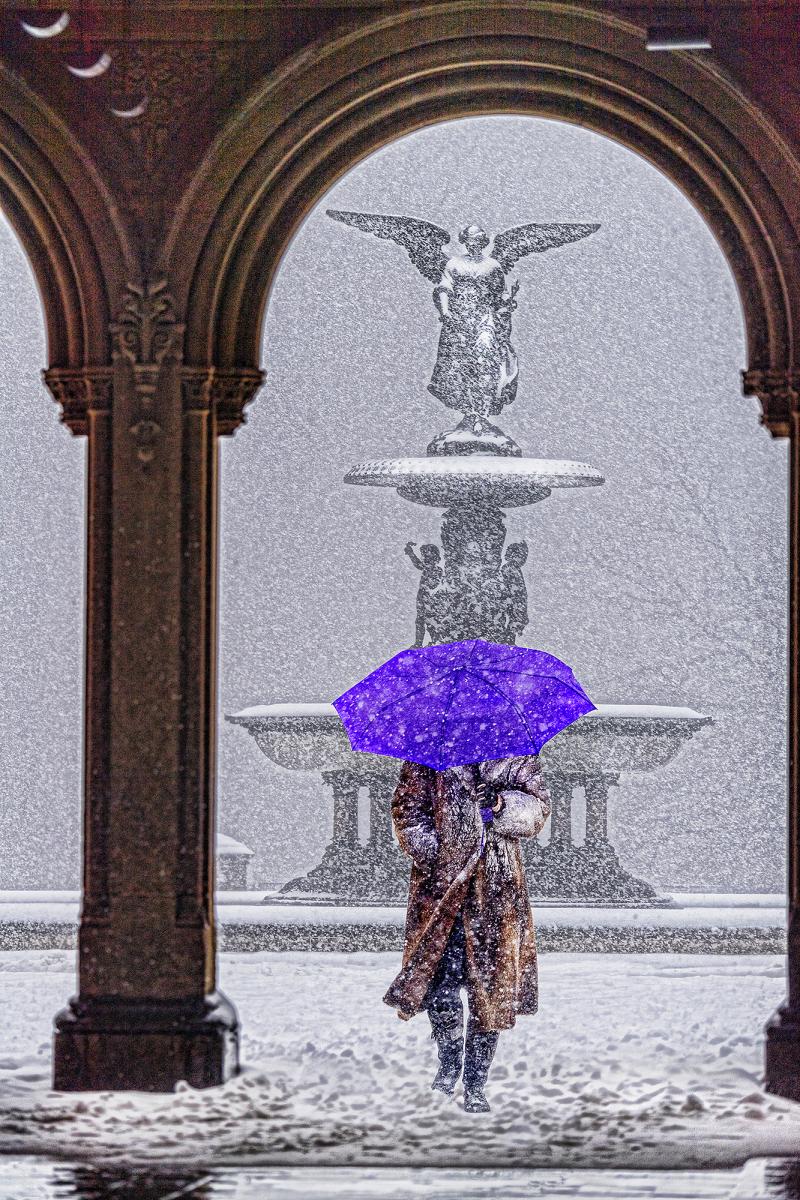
633,1061
42,1179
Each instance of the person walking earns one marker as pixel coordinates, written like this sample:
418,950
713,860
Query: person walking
469,921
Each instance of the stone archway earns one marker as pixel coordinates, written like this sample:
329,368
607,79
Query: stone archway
328,109
67,224
344,98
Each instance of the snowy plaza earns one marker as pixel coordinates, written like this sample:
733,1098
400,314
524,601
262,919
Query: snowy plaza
634,1061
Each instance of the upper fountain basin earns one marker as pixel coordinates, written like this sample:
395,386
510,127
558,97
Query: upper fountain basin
613,738
504,482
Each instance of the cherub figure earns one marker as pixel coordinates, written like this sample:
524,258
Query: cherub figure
515,591
428,562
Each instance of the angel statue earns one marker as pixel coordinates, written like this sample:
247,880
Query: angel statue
476,365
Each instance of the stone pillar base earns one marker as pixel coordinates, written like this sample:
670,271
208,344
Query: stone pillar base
342,872
144,1045
389,874
782,1054
567,874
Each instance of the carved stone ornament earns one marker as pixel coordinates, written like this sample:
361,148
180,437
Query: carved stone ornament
226,391
152,75
231,391
196,389
144,335
779,393
147,328
79,391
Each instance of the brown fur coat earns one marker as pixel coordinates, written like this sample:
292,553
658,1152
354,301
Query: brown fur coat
438,825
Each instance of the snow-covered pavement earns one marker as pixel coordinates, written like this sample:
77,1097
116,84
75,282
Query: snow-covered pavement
42,1179
633,1061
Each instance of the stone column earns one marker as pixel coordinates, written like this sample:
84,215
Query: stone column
561,809
342,873
387,865
472,540
596,789
381,789
345,787
782,1051
147,1012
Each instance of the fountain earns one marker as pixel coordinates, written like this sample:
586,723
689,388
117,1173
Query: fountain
473,587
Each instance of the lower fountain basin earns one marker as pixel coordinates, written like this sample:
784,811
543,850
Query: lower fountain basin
614,738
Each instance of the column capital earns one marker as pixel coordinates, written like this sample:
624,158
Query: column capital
341,777
225,391
232,389
779,393
79,391
604,779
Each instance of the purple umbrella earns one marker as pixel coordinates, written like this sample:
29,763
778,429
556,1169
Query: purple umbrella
462,702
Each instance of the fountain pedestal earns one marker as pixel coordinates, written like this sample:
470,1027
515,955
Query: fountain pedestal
587,871
342,863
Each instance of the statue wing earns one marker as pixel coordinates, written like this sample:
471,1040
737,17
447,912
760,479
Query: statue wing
421,240
514,244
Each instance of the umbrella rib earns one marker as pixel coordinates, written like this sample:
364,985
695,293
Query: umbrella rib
541,675
508,699
447,712
396,699
450,701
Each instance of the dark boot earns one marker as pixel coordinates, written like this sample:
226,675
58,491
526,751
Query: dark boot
480,1048
447,1028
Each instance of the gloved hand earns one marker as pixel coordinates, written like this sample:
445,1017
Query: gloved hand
491,804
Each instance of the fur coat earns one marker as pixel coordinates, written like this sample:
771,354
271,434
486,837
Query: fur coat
438,824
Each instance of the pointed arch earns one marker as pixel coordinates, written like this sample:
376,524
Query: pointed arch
340,100
67,223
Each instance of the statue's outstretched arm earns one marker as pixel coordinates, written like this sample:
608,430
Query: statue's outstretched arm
512,245
421,240
442,293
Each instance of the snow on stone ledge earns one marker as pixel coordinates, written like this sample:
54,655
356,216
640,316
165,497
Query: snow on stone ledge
643,712
635,712
229,847
234,909
298,709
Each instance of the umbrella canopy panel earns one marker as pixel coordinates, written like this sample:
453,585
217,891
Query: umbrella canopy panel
462,702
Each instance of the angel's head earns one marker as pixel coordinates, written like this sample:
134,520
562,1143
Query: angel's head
474,238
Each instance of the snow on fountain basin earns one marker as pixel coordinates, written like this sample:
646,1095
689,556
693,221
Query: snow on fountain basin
614,737
475,478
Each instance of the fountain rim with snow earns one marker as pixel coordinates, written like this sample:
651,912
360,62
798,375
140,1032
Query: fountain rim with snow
478,478
599,738
276,714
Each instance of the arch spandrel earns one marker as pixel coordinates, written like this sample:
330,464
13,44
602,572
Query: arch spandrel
342,99
78,249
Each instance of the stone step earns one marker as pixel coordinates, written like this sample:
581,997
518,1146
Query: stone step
755,925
